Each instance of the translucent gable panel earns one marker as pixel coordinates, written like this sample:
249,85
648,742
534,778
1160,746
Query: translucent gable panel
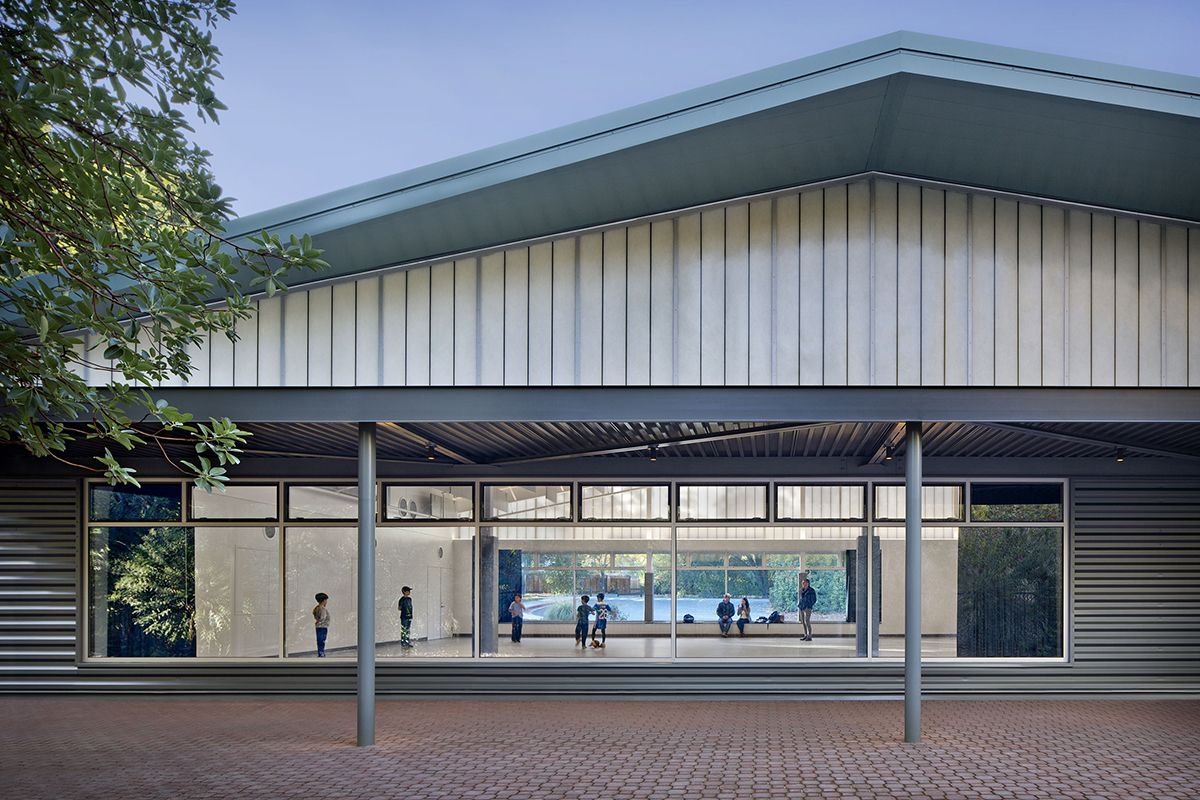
820,502
237,591
937,503
927,533
625,503
322,502
236,502
1016,502
527,502
722,502
429,502
151,502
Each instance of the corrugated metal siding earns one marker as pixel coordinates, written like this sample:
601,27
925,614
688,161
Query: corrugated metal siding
1136,584
38,580
871,282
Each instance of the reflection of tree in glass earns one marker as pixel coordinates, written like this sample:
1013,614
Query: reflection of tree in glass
1009,592
830,585
154,579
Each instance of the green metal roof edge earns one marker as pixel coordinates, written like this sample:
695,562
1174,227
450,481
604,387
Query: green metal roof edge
899,52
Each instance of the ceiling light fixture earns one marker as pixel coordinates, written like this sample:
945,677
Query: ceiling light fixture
1120,454
887,452
653,452
431,451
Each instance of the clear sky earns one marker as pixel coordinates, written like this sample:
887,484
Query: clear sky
324,94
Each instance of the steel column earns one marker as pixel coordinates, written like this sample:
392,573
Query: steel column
912,582
366,584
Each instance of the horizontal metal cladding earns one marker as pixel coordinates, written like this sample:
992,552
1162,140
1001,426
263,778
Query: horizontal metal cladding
859,283
1137,581
38,579
1135,590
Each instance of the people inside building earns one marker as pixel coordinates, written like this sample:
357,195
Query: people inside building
582,612
743,615
603,610
517,609
405,605
321,618
808,599
725,612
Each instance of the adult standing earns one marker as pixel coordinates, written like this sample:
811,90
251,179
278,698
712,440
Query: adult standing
406,616
517,609
725,612
808,599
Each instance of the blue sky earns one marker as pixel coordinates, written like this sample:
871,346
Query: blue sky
323,95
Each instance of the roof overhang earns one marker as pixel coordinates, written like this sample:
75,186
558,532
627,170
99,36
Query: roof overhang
906,104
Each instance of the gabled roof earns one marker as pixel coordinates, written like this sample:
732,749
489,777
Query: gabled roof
907,104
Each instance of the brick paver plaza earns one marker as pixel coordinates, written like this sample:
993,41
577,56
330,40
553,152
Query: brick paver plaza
142,747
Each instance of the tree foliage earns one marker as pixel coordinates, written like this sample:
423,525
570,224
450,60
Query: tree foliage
111,224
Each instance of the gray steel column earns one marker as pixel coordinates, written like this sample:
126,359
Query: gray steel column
366,584
912,582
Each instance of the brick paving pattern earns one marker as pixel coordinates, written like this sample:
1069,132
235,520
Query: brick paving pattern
139,747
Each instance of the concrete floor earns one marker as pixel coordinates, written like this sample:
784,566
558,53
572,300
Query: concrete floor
213,748
627,647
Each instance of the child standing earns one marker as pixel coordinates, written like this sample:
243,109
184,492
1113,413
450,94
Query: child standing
517,609
581,620
603,609
406,616
321,617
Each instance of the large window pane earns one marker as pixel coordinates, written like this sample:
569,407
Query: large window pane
152,502
1016,502
438,564
820,502
527,502
321,560
722,503
236,503
237,591
552,567
1010,592
764,566
612,502
938,503
323,502
142,594
429,502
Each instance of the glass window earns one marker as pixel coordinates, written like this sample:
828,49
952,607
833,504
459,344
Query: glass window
744,560
142,592
438,564
236,502
783,560
237,591
624,503
820,502
151,502
430,502
812,560
614,561
527,502
322,502
321,560
708,560
1009,592
1016,502
938,503
722,502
